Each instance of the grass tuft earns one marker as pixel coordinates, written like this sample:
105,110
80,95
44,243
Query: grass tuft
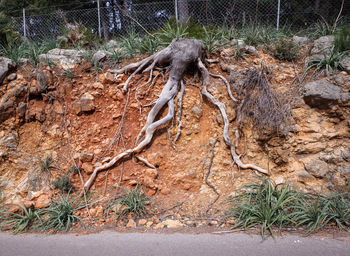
265,204
60,215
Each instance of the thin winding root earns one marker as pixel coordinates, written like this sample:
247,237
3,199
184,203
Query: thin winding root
143,160
178,118
228,141
227,86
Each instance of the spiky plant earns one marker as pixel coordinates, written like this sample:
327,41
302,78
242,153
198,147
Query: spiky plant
263,204
19,222
329,63
131,200
60,214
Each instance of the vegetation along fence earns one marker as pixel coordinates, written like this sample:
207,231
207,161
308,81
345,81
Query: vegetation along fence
114,17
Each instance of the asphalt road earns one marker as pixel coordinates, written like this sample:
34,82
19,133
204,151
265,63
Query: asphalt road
118,244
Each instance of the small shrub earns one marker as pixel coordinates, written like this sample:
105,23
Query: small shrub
318,29
63,183
68,74
47,163
285,50
264,204
131,200
116,55
60,215
22,221
255,35
342,40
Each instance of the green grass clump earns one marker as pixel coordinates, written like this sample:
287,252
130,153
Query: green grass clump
131,43
329,63
342,39
172,31
131,201
47,163
264,204
285,49
316,211
27,49
19,222
211,40
149,45
256,34
60,214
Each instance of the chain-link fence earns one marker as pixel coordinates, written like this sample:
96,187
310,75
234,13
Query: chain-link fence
113,19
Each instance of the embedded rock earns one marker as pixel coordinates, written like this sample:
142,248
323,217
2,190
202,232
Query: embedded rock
322,94
317,168
323,45
6,65
300,40
67,58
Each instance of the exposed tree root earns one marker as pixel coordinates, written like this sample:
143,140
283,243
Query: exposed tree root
207,177
236,158
177,57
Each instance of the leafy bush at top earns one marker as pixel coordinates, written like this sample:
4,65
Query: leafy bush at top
257,34
131,43
27,49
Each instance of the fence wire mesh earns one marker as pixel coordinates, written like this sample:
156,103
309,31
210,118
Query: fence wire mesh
118,19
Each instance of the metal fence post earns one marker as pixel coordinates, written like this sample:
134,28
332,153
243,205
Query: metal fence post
278,14
99,18
24,23
176,12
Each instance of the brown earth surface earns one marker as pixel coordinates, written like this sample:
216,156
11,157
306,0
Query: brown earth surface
55,123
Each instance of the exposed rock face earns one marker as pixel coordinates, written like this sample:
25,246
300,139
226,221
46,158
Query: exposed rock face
323,45
6,65
66,58
317,168
322,94
345,62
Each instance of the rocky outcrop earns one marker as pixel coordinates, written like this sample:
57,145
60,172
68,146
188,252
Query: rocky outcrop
66,58
322,94
323,45
345,63
299,40
6,65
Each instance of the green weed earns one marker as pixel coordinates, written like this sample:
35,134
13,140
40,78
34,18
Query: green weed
264,204
19,222
60,215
